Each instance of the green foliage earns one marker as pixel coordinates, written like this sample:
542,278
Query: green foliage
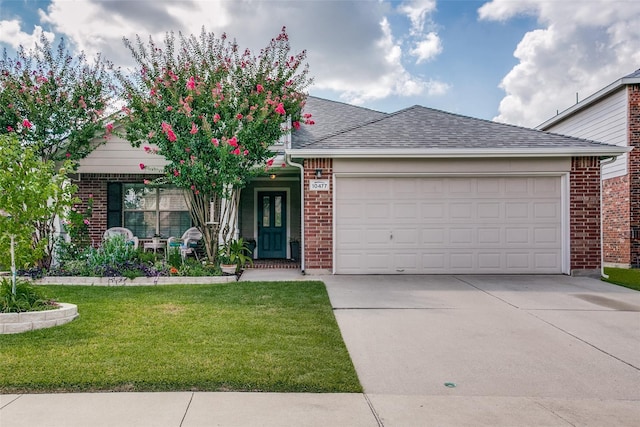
26,298
52,101
33,192
213,111
236,252
76,225
114,251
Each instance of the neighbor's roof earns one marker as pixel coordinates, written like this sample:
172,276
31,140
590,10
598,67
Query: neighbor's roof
424,132
629,79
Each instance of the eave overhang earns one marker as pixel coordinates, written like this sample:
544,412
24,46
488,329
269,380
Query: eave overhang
433,153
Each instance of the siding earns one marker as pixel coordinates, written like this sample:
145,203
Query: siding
606,122
118,156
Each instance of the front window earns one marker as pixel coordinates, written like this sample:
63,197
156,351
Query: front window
149,211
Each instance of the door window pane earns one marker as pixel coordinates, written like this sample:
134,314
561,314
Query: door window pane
266,211
278,211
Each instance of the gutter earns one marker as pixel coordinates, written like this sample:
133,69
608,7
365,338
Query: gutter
287,159
600,151
603,163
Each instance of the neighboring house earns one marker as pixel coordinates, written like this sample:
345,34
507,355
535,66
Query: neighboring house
612,115
419,191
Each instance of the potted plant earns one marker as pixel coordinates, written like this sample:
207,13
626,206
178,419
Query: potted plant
234,256
294,244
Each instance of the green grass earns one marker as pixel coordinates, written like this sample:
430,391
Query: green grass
627,277
247,336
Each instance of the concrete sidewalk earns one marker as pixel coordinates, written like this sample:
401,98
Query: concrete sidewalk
514,350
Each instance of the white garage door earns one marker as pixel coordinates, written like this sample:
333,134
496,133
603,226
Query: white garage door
448,225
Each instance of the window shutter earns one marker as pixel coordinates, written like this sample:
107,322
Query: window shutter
114,204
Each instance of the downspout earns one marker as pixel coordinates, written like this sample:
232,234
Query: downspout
287,158
602,164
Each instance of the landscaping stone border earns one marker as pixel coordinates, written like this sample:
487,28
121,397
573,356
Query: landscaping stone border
138,281
14,323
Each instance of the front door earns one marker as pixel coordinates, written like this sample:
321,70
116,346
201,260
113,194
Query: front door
272,224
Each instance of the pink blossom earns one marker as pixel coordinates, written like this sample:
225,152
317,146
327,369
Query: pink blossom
109,127
90,196
176,172
283,165
194,129
9,129
216,118
310,122
259,88
181,161
233,142
68,155
236,151
296,125
215,141
86,222
280,109
245,152
193,187
239,116
146,182
26,123
270,162
191,84
142,166
151,134
146,148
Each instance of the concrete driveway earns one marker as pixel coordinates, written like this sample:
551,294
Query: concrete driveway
493,350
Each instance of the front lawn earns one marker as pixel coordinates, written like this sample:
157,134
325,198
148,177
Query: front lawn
627,277
244,336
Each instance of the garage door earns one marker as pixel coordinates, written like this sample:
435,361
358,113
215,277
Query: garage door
448,225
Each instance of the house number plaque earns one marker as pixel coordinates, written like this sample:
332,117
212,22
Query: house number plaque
319,185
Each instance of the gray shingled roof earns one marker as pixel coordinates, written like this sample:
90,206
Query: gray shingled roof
331,117
423,128
633,75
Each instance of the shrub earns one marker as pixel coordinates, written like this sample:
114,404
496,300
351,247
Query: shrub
26,298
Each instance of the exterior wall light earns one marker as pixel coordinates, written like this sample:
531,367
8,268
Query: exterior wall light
318,173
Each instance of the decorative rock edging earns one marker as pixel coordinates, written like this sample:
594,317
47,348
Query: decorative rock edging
14,323
138,281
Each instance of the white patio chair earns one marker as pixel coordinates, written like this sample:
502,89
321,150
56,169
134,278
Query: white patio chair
122,231
187,243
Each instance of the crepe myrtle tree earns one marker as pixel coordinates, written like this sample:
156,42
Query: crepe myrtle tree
213,111
32,193
53,102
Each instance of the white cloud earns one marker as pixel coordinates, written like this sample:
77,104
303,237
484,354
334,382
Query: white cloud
581,47
428,48
11,34
351,47
418,12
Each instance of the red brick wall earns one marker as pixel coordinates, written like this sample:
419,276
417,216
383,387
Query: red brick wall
633,92
584,207
318,217
96,185
615,209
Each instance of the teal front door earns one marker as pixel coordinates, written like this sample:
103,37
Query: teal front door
272,224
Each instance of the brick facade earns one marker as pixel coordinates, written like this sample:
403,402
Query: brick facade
615,209
318,217
584,213
96,185
633,137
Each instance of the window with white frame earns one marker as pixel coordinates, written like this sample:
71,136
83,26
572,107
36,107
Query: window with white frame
149,211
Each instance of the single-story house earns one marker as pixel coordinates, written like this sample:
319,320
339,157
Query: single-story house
419,191
612,115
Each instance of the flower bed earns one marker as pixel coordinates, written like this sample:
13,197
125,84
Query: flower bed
14,323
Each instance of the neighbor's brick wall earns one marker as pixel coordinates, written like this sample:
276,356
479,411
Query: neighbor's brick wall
96,185
616,242
633,92
584,212
318,217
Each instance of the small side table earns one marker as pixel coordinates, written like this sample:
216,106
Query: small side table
155,246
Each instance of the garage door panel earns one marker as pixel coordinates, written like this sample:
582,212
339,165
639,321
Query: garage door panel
450,225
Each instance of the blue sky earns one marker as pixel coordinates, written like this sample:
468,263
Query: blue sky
516,61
